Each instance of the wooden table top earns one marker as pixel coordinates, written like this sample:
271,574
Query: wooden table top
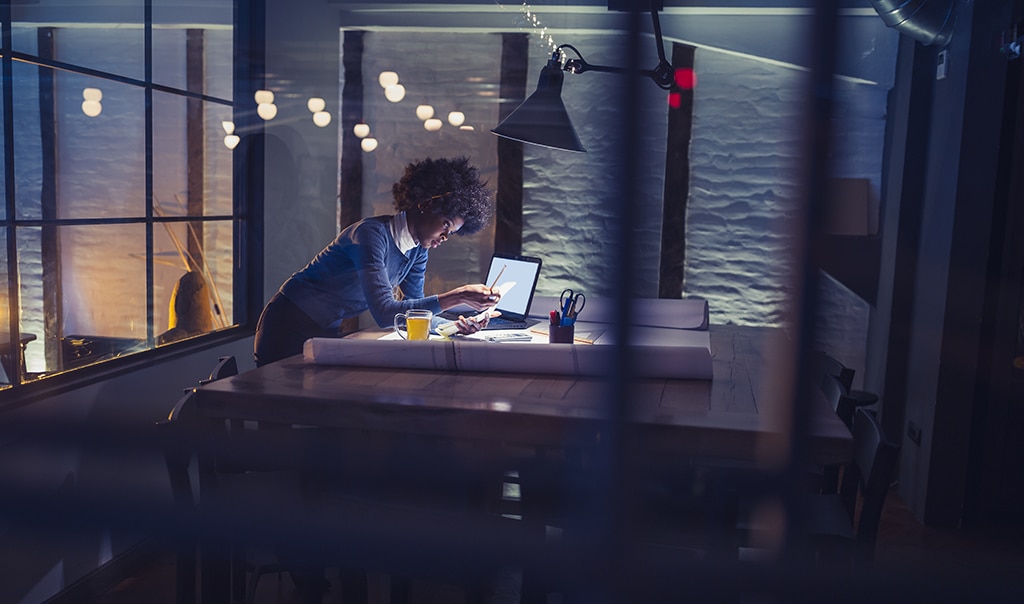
730,417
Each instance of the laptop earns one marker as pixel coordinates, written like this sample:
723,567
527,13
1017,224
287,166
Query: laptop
515,305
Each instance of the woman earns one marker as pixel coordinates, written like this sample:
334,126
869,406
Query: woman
360,269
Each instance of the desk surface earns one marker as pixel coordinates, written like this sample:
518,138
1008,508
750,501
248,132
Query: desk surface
729,417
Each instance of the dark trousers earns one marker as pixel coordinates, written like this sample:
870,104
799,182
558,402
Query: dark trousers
282,330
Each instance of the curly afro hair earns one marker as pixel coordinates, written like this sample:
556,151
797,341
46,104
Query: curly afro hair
450,187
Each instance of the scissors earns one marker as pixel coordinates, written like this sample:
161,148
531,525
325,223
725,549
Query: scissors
572,303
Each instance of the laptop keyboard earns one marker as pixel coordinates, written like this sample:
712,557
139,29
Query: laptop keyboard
502,323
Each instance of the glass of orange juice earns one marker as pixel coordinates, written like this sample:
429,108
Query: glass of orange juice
416,323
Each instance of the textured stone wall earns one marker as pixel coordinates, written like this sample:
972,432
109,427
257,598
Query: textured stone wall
744,160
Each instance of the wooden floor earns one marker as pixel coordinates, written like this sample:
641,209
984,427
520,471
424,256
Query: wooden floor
936,565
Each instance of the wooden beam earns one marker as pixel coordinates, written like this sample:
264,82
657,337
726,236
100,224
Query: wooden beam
195,75
53,310
508,229
350,198
677,182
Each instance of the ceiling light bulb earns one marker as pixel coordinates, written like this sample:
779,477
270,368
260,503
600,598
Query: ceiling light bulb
91,108
424,112
470,128
395,93
387,78
456,118
231,141
321,118
368,144
267,111
264,97
229,127
92,94
315,104
432,125
361,130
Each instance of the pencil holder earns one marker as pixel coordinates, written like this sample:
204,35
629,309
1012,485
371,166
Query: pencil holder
561,334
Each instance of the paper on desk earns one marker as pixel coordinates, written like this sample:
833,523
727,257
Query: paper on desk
690,361
385,352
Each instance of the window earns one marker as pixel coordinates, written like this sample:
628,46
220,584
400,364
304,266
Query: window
118,227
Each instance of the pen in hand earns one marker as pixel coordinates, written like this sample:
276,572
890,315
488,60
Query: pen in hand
495,282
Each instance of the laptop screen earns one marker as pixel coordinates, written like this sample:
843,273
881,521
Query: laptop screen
524,271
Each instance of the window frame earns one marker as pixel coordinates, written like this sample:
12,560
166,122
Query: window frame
248,45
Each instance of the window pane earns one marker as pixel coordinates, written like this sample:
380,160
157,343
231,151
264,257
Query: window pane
91,282
71,164
94,279
191,164
34,307
110,35
219,252
92,292
3,161
6,353
192,46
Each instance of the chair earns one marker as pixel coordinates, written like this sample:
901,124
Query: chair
177,458
866,480
236,463
834,380
225,367
836,395
839,531
245,575
177,461
824,365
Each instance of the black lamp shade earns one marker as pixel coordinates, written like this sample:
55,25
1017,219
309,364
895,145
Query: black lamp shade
542,118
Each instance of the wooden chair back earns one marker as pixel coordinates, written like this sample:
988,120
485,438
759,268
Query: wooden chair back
838,396
179,428
825,365
869,477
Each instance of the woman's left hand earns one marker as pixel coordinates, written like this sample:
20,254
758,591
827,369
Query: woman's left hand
475,323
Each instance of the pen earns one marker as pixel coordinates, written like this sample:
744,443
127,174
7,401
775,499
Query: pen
572,309
500,273
554,317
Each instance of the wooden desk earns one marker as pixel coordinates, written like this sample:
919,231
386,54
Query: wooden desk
728,417
676,424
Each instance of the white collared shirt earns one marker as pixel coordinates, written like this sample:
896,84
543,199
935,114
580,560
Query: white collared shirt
400,231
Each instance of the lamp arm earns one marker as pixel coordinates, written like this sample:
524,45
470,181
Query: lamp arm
581,66
662,75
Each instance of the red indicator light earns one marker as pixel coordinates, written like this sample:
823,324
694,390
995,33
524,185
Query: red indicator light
674,100
686,78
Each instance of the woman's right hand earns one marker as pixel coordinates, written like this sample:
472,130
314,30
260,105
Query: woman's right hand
477,296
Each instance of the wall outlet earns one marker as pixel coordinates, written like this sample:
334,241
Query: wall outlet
942,65
914,433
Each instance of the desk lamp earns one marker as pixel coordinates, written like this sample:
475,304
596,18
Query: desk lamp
542,119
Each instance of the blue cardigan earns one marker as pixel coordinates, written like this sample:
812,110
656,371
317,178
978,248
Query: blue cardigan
358,271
